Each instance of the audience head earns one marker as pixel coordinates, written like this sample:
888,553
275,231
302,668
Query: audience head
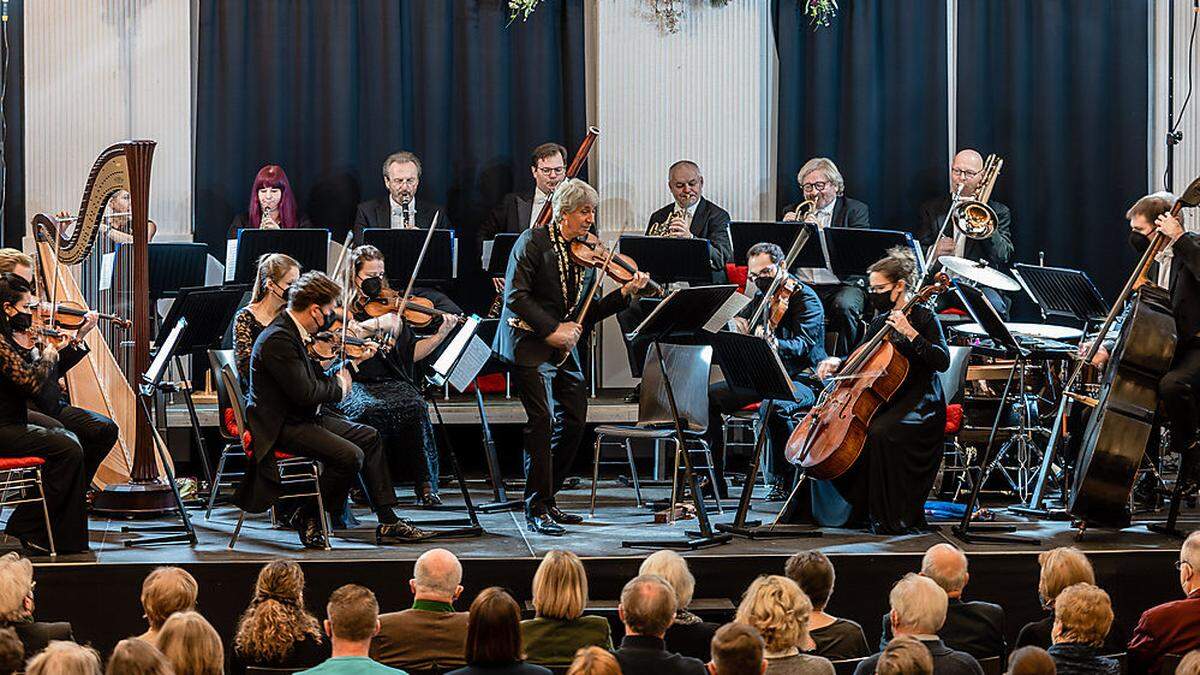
947,566
918,606
966,169
165,591
673,568
737,649
494,629
778,609
548,163
813,572
191,644
820,180
1189,563
312,299
276,618
16,588
1061,567
1082,614
134,656
904,655
437,576
1190,664
1031,661
686,183
560,587
402,176
12,652
272,194
594,661
275,275
574,206
16,261
353,615
647,606
65,658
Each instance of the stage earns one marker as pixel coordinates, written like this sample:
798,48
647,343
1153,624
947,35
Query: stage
99,592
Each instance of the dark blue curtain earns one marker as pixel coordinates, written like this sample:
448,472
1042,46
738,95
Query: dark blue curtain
869,92
328,89
11,51
1058,88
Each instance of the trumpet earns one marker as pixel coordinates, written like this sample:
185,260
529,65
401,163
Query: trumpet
663,229
973,217
803,210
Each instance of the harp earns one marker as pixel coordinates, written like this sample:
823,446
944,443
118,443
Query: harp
107,380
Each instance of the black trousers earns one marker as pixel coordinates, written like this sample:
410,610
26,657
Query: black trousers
96,433
555,402
1179,397
64,483
844,306
344,449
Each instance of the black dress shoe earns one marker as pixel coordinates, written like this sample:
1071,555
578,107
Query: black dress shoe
311,535
544,524
429,499
562,517
777,493
399,532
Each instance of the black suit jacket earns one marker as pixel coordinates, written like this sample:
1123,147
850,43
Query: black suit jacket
512,215
286,387
709,222
533,293
377,213
976,628
36,635
1185,287
946,661
847,212
642,655
996,250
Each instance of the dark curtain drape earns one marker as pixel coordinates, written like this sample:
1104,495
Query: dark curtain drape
869,92
1058,88
11,50
328,89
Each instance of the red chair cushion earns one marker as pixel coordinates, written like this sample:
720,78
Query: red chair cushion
247,446
753,407
14,463
955,311
737,275
230,421
954,418
488,384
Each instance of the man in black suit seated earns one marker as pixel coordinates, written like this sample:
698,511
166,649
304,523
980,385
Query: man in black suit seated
966,172
284,413
16,607
647,609
845,301
919,610
975,627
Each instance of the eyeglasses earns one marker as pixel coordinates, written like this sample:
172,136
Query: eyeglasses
964,173
768,272
814,187
552,170
402,181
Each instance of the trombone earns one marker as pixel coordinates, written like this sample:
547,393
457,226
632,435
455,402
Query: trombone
973,217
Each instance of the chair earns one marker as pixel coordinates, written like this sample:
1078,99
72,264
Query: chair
688,368
954,460
992,665
847,666
1169,664
22,478
218,359
299,473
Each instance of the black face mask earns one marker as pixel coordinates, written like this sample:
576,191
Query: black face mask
372,287
764,283
881,301
1139,241
21,321
327,321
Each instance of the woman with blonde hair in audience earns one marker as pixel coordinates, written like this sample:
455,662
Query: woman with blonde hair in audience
1082,618
779,610
594,661
64,658
166,590
191,645
689,634
135,656
1190,664
559,629
1061,567
276,631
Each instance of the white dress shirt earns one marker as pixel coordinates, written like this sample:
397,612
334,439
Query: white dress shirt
820,275
539,198
403,217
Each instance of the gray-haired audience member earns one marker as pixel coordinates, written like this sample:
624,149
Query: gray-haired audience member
1172,627
647,609
430,634
918,610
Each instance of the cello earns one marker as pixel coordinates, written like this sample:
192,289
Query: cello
1119,427
833,433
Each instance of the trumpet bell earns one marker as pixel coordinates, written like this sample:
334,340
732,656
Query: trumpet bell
975,219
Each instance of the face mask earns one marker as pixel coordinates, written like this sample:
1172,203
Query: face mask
372,287
21,321
764,283
881,301
327,320
1139,241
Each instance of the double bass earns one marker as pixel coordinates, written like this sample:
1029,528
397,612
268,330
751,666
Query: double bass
831,437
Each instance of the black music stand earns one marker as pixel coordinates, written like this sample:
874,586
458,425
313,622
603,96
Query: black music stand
174,266
750,363
494,259
668,259
853,249
309,246
401,248
745,234
987,316
685,312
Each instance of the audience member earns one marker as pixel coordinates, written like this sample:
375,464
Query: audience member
494,637
647,609
594,661
352,620
1082,618
62,657
430,634
191,645
776,607
836,639
276,631
1061,567
1031,661
738,649
12,652
166,590
904,655
559,629
135,656
919,610
689,634
1173,627
1189,664
974,627
16,606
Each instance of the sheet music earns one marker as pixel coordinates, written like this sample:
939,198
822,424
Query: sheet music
445,362
107,262
473,358
231,246
453,256
486,257
729,309
333,253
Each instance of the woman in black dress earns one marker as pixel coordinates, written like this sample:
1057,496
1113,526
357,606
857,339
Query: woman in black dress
272,204
276,274
885,490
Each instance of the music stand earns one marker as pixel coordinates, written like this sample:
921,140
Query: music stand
668,259
486,332
401,248
853,249
745,234
1062,292
309,246
175,265
495,253
982,311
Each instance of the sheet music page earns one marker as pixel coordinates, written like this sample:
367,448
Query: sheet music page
654,312
453,256
231,246
473,358
449,354
107,262
214,271
728,309
486,257
331,257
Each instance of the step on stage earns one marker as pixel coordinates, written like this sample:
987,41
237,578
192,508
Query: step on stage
98,593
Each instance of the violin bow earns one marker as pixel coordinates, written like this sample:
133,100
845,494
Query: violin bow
412,279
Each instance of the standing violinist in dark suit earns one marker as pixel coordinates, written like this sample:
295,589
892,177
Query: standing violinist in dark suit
544,292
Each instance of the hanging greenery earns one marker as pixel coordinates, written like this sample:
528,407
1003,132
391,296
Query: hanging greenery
668,13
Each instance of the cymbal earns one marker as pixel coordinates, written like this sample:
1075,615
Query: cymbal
1042,331
979,272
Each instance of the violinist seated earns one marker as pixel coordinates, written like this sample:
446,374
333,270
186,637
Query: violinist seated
288,389
884,490
387,393
275,274
798,337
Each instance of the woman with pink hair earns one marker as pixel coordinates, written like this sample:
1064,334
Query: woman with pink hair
272,204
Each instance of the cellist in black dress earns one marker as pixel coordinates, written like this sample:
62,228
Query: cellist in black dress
885,490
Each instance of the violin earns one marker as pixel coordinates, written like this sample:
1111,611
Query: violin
419,311
780,299
589,251
71,315
328,344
